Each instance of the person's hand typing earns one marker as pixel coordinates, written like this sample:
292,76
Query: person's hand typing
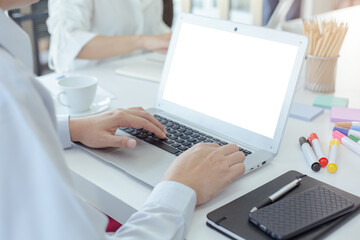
207,168
98,131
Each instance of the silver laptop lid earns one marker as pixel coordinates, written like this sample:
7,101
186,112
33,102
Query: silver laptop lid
237,80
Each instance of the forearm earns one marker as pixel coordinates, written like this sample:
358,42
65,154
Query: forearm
102,47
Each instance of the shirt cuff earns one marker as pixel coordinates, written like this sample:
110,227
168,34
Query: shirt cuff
176,196
63,130
76,40
80,39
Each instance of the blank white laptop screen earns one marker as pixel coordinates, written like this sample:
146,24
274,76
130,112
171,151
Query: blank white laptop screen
227,75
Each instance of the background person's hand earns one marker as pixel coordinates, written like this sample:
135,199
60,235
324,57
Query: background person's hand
158,43
99,130
207,168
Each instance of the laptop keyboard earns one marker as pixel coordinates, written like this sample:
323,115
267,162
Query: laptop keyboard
179,137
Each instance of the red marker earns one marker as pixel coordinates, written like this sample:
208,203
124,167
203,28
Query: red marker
315,143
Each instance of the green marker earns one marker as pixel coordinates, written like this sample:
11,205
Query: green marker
352,137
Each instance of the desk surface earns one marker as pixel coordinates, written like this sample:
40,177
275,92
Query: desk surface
119,195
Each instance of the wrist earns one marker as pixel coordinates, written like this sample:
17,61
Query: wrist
75,130
140,41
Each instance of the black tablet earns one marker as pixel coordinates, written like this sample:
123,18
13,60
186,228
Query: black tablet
298,213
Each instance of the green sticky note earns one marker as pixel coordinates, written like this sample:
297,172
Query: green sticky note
327,101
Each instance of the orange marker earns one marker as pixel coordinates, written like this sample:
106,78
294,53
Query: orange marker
347,124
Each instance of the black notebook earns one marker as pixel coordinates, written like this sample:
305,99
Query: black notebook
232,219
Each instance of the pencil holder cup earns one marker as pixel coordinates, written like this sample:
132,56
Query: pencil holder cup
321,74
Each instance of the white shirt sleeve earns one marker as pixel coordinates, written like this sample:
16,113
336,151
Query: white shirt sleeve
170,206
36,186
163,28
34,169
63,130
69,24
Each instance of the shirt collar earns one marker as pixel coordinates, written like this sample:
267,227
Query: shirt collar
15,41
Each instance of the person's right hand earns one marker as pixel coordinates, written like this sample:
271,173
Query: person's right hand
207,168
158,43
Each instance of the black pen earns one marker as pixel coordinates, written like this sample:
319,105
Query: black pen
281,192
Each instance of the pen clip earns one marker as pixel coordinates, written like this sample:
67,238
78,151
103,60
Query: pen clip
301,176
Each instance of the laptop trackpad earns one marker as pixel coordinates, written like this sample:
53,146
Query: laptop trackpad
145,162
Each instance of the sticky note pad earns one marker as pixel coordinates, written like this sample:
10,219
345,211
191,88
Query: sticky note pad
305,112
326,101
340,114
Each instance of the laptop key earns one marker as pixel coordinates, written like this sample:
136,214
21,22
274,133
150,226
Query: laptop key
128,130
157,117
246,151
161,145
180,140
182,148
142,135
171,131
188,132
168,141
178,134
134,132
172,137
185,137
195,135
169,124
182,130
176,145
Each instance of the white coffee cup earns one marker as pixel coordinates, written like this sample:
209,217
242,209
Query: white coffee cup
77,93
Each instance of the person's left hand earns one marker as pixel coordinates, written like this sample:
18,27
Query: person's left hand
98,131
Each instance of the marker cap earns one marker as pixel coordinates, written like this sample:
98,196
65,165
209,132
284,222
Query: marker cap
356,128
352,137
344,131
302,140
316,166
332,167
338,135
323,161
334,141
343,124
312,137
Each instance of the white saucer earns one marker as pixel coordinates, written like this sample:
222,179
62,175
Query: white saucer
101,103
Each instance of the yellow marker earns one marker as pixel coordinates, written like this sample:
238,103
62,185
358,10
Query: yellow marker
334,149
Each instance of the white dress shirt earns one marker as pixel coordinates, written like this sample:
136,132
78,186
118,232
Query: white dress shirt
37,197
73,23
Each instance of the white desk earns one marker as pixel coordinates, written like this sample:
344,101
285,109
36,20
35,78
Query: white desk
119,195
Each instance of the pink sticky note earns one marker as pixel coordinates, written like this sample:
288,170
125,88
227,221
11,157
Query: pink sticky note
340,114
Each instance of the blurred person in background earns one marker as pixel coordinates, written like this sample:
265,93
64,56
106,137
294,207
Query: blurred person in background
83,32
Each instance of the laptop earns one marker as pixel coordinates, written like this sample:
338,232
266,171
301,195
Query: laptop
148,66
222,82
